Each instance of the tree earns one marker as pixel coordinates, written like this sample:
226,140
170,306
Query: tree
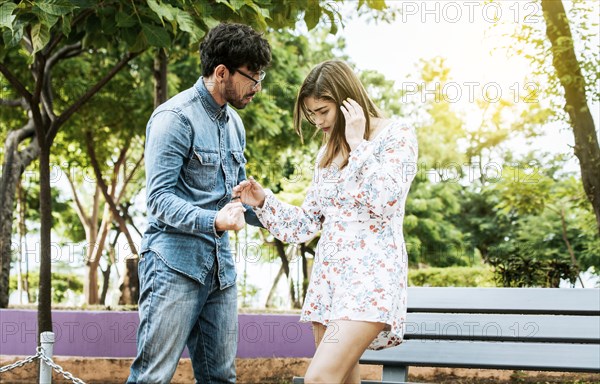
54,32
565,60
549,230
568,71
50,33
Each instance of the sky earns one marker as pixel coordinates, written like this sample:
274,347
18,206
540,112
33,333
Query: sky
462,32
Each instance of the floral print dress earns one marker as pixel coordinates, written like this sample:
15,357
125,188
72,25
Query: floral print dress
360,266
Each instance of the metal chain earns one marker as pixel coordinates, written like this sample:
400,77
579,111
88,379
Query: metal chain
47,360
58,368
20,363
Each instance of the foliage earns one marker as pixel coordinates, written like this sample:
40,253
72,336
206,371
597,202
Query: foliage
434,198
64,217
529,41
272,145
38,35
431,237
456,215
62,282
481,276
526,240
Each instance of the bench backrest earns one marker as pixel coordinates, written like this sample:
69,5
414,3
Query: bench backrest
500,328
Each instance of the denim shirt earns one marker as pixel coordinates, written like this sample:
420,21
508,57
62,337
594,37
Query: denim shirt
194,156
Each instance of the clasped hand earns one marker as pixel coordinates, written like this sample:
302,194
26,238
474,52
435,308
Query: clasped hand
250,192
230,216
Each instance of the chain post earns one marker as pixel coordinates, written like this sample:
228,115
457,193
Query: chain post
47,341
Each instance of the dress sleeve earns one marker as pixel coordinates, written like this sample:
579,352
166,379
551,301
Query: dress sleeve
289,223
379,174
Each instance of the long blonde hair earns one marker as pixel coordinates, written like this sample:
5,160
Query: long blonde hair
334,80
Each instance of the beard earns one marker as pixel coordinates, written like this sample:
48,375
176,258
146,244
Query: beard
233,98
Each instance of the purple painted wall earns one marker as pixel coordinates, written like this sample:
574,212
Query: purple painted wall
113,334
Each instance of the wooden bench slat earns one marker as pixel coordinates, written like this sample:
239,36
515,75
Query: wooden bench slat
490,355
564,301
530,328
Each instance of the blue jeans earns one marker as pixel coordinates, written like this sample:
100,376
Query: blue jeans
176,311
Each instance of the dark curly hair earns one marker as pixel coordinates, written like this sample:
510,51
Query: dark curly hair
234,45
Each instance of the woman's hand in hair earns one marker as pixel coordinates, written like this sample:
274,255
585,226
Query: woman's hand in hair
355,122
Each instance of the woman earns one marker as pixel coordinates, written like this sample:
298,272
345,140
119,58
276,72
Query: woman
357,294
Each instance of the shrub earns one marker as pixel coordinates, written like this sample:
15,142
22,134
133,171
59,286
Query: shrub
452,277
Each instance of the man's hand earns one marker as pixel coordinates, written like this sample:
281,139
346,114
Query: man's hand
230,216
250,192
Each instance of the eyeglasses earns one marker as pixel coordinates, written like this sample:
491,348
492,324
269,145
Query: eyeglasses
261,76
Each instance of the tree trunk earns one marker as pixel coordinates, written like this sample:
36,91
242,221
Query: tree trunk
105,283
304,249
45,291
569,73
160,77
574,262
130,283
94,253
130,275
22,230
91,285
46,125
286,266
15,163
271,296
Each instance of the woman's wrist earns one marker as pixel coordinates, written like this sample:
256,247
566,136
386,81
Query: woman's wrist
354,143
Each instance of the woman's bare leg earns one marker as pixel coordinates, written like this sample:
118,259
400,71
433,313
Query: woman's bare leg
336,358
353,377
318,332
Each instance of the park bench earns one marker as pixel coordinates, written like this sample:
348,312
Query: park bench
536,329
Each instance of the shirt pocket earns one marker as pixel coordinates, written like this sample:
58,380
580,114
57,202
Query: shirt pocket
239,161
202,169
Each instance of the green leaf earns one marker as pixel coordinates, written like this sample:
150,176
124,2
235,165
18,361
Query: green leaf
130,36
185,21
155,36
13,39
210,22
229,5
125,20
56,7
40,36
263,13
187,24
312,14
82,4
333,28
164,11
237,4
6,16
378,5
66,24
46,18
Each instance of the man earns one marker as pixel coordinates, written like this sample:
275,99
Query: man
194,157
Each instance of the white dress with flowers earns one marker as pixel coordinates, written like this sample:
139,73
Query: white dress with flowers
360,267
